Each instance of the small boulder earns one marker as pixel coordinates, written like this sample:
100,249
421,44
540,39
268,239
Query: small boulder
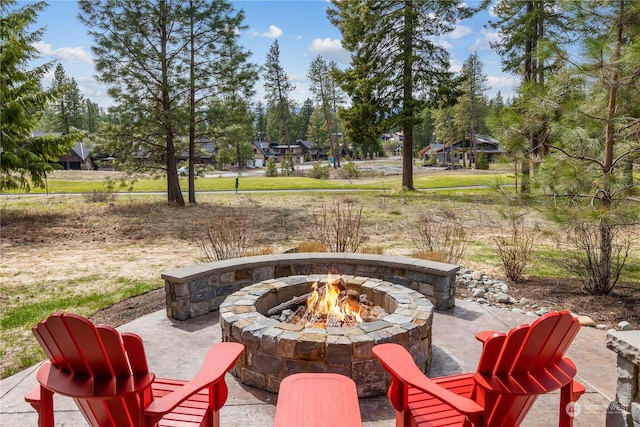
478,293
625,326
476,275
586,321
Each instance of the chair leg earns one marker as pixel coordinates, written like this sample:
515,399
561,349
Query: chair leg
569,394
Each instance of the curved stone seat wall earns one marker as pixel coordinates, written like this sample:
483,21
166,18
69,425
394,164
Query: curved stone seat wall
200,289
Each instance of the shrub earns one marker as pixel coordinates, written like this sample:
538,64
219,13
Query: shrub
515,248
337,225
228,236
107,194
584,255
319,171
350,171
270,168
439,236
483,162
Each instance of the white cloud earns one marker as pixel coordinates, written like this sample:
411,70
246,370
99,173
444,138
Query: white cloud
460,31
506,84
273,33
330,50
69,54
483,42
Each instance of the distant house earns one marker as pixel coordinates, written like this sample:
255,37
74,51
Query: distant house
78,159
462,151
281,150
205,152
311,150
261,153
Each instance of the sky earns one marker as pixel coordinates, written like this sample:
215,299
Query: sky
301,27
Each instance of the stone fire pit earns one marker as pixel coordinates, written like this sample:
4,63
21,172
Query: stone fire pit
275,349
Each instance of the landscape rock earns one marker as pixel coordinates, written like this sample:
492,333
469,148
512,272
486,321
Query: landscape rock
477,275
625,326
478,293
586,321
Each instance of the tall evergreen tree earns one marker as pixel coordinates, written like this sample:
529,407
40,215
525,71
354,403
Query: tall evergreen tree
533,33
216,63
472,109
278,89
594,137
69,109
24,160
392,46
321,75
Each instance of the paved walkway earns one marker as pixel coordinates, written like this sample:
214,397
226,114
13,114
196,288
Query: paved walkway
176,350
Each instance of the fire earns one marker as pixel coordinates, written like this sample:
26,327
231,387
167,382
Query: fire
331,306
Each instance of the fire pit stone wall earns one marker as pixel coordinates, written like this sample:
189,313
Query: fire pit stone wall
275,349
197,290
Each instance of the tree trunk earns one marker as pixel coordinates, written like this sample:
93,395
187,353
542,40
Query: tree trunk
192,111
174,194
407,98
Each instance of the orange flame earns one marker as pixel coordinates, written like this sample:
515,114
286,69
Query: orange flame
330,305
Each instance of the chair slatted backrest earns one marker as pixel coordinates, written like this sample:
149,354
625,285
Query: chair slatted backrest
518,358
75,345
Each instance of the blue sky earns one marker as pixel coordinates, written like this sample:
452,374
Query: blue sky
301,27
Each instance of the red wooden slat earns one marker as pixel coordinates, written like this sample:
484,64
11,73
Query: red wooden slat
88,344
540,331
112,343
511,349
490,352
135,353
67,346
553,345
48,344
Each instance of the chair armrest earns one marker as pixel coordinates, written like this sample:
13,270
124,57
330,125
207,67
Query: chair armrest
399,363
219,360
483,336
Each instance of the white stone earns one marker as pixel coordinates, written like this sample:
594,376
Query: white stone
602,327
505,288
517,310
478,293
482,301
625,326
476,275
524,301
542,311
532,314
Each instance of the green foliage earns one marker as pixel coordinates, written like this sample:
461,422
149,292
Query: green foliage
145,51
277,91
271,170
350,171
319,171
24,160
287,168
483,162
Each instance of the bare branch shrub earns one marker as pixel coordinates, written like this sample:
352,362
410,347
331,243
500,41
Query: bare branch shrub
583,255
107,194
337,225
514,248
229,236
439,236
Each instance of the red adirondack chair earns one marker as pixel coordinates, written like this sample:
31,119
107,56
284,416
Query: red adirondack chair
106,373
514,368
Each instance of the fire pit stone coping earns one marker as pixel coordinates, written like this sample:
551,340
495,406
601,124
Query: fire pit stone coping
200,289
274,350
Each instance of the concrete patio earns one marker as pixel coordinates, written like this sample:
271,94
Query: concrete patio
176,349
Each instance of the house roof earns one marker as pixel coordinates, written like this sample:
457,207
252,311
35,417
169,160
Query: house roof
81,150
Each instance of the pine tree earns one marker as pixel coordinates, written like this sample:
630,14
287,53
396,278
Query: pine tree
278,89
533,33
393,49
24,160
593,137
